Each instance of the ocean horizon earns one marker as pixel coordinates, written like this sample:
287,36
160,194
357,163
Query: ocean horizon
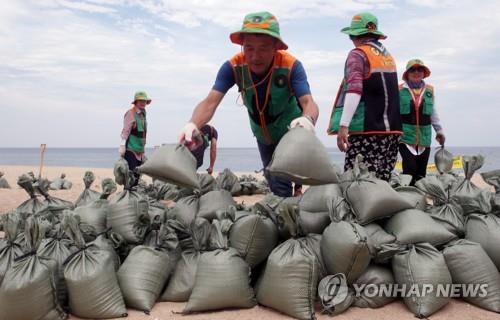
237,159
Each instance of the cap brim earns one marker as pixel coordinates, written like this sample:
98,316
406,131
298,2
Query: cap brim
235,37
360,32
147,101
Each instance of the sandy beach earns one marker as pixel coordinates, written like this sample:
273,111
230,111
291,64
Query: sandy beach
11,198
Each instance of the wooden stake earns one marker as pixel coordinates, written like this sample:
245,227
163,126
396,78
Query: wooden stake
42,153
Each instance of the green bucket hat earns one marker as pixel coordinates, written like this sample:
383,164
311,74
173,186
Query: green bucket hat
262,23
416,63
141,95
363,23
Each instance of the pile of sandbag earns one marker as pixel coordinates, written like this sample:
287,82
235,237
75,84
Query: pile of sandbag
244,185
61,183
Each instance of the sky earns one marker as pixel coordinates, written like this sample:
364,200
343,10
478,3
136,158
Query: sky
69,69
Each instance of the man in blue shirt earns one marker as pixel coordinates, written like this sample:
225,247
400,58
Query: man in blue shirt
273,85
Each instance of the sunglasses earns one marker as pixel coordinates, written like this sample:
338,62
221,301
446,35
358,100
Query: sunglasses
416,69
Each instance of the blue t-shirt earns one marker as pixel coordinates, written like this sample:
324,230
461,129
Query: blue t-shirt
298,78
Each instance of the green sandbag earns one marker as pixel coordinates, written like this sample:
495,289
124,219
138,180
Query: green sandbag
9,247
419,265
334,294
399,180
485,230
207,182
288,283
222,281
345,249
61,183
91,279
186,209
58,248
222,277
94,214
445,209
414,226
414,196
213,201
181,283
88,195
290,278
472,198
313,242
227,180
374,275
370,198
28,289
172,163
469,264
302,158
316,198
128,216
254,236
377,237
145,271
104,242
443,160
142,276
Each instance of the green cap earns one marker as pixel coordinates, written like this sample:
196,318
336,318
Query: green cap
259,22
141,95
363,23
416,63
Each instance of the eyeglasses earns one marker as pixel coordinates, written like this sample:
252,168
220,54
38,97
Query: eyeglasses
416,69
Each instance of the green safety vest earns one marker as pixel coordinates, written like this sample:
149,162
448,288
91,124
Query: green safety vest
136,141
269,121
417,129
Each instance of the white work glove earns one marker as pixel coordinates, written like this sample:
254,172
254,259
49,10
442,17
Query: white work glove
121,150
187,134
303,122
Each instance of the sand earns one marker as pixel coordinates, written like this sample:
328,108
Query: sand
11,198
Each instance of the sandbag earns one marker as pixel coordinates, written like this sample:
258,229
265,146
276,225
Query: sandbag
144,273
253,236
485,230
172,163
58,248
420,265
88,195
9,247
128,216
109,241
181,283
370,198
302,158
227,180
443,159
94,214
374,275
316,198
28,289
414,196
186,209
472,198
470,265
4,184
33,204
313,242
222,277
334,294
377,237
250,185
213,201
399,180
207,182
445,209
414,226
344,248
288,283
314,222
91,279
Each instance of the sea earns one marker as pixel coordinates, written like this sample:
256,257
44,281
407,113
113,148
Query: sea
236,159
